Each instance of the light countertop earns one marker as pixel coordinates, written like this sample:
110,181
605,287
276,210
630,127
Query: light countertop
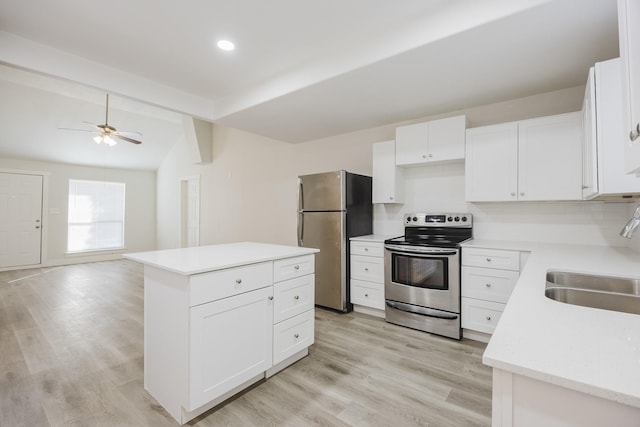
200,259
581,348
375,238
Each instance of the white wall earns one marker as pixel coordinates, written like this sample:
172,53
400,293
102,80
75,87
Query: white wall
140,200
249,191
441,188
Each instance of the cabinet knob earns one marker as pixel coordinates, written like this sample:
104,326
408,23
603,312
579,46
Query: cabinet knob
522,193
584,187
424,156
37,226
238,281
366,295
270,297
366,269
513,193
296,297
430,155
297,267
390,197
488,317
488,285
488,259
296,336
366,249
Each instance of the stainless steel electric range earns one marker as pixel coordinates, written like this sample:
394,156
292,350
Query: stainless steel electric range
422,272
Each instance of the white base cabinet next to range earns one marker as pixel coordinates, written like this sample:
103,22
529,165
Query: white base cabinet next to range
487,278
219,318
367,274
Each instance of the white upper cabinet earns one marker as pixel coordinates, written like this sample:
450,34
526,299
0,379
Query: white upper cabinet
435,141
629,31
388,182
537,159
550,158
604,135
491,165
589,147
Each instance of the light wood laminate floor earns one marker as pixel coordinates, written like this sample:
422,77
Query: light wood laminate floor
71,354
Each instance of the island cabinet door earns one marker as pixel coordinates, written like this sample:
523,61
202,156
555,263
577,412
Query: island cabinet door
231,341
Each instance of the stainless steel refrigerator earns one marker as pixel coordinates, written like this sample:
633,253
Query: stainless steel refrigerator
332,207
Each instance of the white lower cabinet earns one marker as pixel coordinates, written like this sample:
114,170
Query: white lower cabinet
488,278
244,349
209,335
292,336
293,315
367,276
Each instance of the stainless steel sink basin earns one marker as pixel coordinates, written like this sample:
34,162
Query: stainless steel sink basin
590,290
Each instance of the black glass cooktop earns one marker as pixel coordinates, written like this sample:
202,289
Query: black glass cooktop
443,237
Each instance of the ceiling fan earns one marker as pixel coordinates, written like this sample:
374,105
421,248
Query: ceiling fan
107,134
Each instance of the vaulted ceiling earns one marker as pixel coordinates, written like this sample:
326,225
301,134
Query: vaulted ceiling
302,69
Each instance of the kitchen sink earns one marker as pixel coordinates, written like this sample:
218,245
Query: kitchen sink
590,290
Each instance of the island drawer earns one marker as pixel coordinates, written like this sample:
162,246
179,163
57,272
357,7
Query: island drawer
293,297
220,284
292,336
491,258
290,268
367,249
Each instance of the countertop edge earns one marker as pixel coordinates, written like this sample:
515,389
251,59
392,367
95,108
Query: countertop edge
518,344
144,258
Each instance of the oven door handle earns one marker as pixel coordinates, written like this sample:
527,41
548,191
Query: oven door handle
423,311
405,250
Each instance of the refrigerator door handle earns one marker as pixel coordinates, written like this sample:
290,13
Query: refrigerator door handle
300,196
300,228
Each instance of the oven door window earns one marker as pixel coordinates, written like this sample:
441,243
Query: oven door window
420,272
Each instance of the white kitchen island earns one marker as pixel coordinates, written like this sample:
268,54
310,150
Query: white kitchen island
561,365
220,318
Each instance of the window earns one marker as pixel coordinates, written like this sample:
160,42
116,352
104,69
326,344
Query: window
96,216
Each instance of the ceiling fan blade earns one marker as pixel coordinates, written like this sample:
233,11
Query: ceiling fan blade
124,138
129,132
79,130
93,125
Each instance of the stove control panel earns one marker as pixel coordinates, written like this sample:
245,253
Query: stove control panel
440,219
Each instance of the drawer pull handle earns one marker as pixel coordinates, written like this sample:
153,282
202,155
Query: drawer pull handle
296,297
296,336
238,281
488,285
488,259
270,297
488,317
297,267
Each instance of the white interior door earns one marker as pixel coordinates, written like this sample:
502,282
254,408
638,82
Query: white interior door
20,219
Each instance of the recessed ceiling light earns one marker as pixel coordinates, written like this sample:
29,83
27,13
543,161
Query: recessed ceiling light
226,45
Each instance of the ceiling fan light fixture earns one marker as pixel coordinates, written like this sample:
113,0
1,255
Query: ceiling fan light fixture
106,139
